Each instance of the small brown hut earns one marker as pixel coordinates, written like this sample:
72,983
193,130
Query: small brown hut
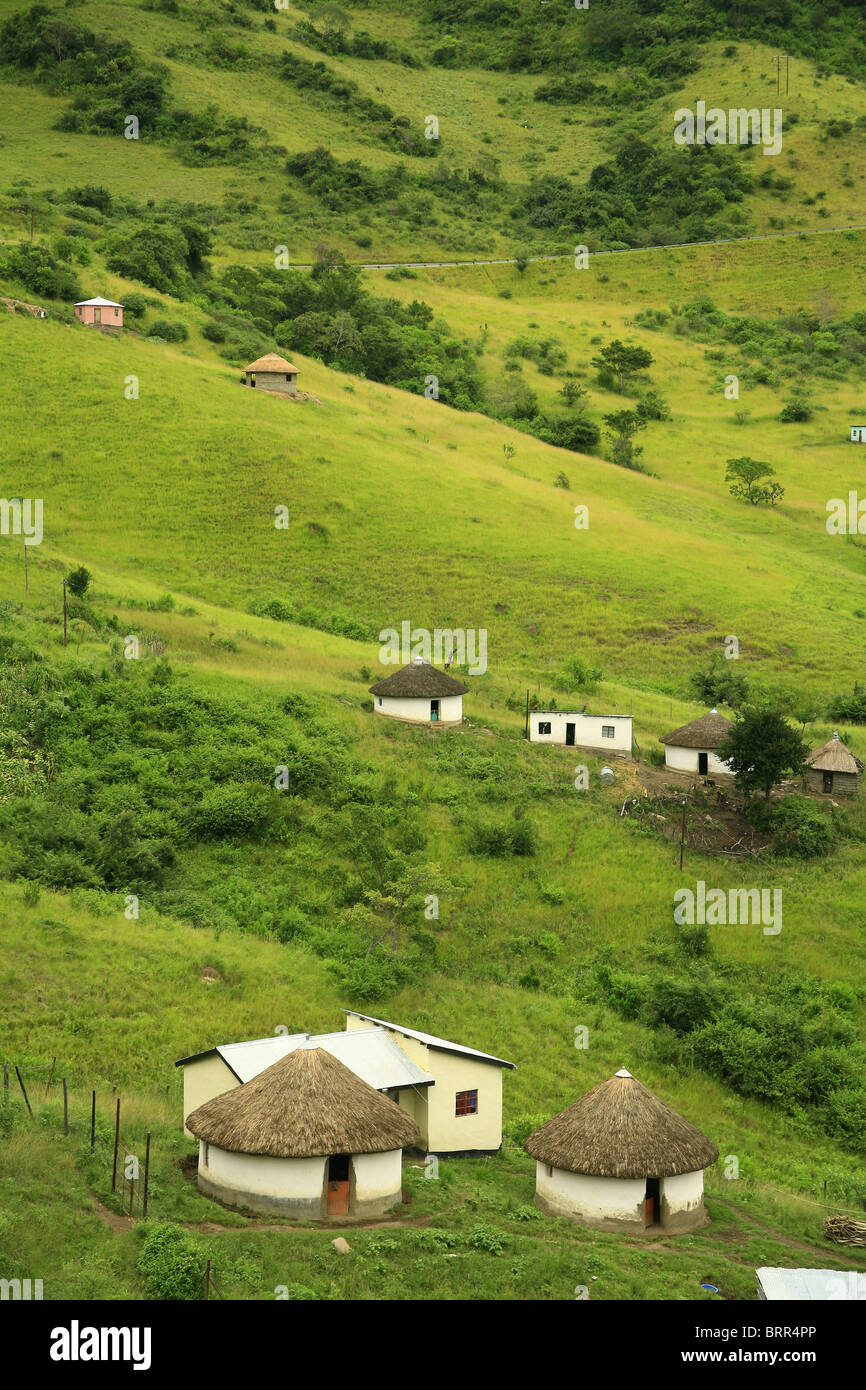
618,1158
305,1137
272,373
833,769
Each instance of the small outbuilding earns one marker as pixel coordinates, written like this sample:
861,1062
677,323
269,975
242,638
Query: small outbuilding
833,769
273,373
100,313
306,1137
619,1159
421,694
692,747
609,733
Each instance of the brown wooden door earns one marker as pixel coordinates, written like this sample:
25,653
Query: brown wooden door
97,316
338,1185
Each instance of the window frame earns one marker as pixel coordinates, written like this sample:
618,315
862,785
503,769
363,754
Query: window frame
471,1105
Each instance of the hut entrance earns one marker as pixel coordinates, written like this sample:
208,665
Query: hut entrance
97,316
434,709
338,1185
828,781
703,764
569,734
651,1202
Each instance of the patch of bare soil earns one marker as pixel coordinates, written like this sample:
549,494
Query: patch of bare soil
715,824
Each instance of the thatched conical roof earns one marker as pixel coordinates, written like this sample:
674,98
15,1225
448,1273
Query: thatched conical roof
306,1105
621,1130
833,756
707,732
271,362
419,680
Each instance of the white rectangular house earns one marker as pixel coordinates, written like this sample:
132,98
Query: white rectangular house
610,734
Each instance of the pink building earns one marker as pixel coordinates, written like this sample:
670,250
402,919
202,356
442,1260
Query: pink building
101,313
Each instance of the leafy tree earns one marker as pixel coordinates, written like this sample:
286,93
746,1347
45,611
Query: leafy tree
720,683
622,426
78,581
621,361
572,394
745,475
761,749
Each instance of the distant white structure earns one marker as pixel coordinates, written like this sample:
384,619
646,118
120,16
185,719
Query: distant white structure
858,434
609,733
692,747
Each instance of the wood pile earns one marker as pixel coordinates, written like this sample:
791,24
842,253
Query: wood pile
845,1230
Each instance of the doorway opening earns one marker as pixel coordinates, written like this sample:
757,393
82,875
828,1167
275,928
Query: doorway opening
703,764
434,709
652,1211
569,735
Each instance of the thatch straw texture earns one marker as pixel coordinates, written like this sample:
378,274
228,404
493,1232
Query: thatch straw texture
833,756
707,732
271,362
621,1130
419,679
306,1105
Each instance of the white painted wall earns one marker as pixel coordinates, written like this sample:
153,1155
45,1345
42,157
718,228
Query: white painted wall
595,1199
417,711
686,760
683,1192
378,1175
301,1178
587,732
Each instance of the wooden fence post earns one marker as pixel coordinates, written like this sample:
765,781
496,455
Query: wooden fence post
146,1172
50,1077
65,1108
116,1141
92,1120
23,1092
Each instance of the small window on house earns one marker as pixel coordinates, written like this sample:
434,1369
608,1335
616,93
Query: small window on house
467,1103
549,1167
288,378
608,731
544,726
115,313
378,699
206,1154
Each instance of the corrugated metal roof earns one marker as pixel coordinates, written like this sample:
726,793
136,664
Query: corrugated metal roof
811,1284
430,1039
369,1052
103,303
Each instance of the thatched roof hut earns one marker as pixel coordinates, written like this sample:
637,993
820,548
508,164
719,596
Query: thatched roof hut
619,1157
272,373
692,747
306,1136
833,768
420,694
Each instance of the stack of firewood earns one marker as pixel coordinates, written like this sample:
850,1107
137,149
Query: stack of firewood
845,1230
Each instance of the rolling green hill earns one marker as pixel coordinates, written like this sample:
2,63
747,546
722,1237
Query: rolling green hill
162,476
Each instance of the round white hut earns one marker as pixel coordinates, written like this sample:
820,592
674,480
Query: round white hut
421,694
619,1159
306,1137
692,747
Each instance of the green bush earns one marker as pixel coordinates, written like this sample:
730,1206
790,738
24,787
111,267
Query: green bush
171,332
232,809
170,1264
